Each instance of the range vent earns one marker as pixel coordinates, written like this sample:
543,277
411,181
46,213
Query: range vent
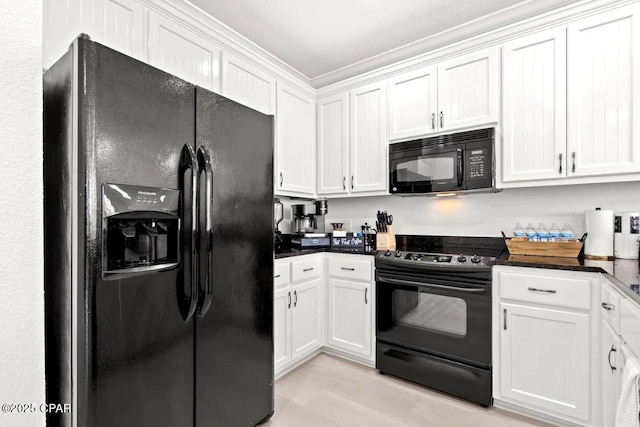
452,138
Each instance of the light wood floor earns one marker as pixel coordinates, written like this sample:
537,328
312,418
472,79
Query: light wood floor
328,391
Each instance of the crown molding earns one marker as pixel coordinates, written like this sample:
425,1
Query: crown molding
478,34
208,27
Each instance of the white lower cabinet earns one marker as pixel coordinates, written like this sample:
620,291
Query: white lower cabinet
545,359
543,337
350,305
297,309
611,373
306,318
300,314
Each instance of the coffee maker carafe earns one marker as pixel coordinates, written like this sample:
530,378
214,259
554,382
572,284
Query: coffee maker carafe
303,218
309,217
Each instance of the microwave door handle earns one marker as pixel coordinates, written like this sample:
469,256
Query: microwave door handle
204,166
189,218
460,170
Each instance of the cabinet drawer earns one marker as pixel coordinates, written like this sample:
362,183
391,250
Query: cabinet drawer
350,269
306,269
281,274
610,306
558,291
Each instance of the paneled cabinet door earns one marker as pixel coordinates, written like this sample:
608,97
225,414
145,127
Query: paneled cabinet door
282,304
604,93
368,155
545,359
333,144
534,107
118,24
469,90
611,373
295,143
306,318
61,24
350,316
247,84
413,99
176,50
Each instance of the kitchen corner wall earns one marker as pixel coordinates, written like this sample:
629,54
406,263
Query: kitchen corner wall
21,213
489,214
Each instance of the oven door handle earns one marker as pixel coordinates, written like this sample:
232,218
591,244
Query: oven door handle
474,290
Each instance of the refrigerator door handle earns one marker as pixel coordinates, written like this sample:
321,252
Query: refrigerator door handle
204,166
189,162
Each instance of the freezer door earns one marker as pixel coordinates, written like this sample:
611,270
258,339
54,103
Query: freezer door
234,334
132,355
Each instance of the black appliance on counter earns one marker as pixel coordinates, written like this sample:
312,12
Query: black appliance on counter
158,248
433,320
459,162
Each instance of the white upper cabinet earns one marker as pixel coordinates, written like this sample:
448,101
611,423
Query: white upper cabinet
413,99
469,90
333,144
247,84
179,51
534,107
604,93
368,153
61,22
458,93
352,142
118,24
295,143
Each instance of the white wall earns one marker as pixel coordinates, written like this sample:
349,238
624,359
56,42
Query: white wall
21,229
488,214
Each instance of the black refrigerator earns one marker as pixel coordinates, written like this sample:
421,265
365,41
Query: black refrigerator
158,247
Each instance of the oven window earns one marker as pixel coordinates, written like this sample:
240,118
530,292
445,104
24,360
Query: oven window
426,169
429,311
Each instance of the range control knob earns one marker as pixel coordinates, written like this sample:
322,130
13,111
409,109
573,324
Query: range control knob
462,258
398,254
387,253
476,259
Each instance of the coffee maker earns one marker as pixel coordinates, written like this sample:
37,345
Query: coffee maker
308,218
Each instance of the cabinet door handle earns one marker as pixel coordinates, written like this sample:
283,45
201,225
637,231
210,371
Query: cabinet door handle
344,182
281,179
613,350
433,120
276,276
441,119
608,306
365,295
348,268
352,179
544,291
504,319
295,301
289,300
560,162
573,159
307,269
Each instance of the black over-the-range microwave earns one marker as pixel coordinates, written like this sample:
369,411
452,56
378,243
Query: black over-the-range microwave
455,163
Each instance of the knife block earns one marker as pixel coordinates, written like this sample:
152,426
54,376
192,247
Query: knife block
386,240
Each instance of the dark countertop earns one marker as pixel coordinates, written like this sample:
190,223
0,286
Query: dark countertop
623,273
297,252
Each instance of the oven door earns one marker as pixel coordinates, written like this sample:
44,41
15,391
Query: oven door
426,170
445,316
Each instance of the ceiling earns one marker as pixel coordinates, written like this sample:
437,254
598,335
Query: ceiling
323,37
